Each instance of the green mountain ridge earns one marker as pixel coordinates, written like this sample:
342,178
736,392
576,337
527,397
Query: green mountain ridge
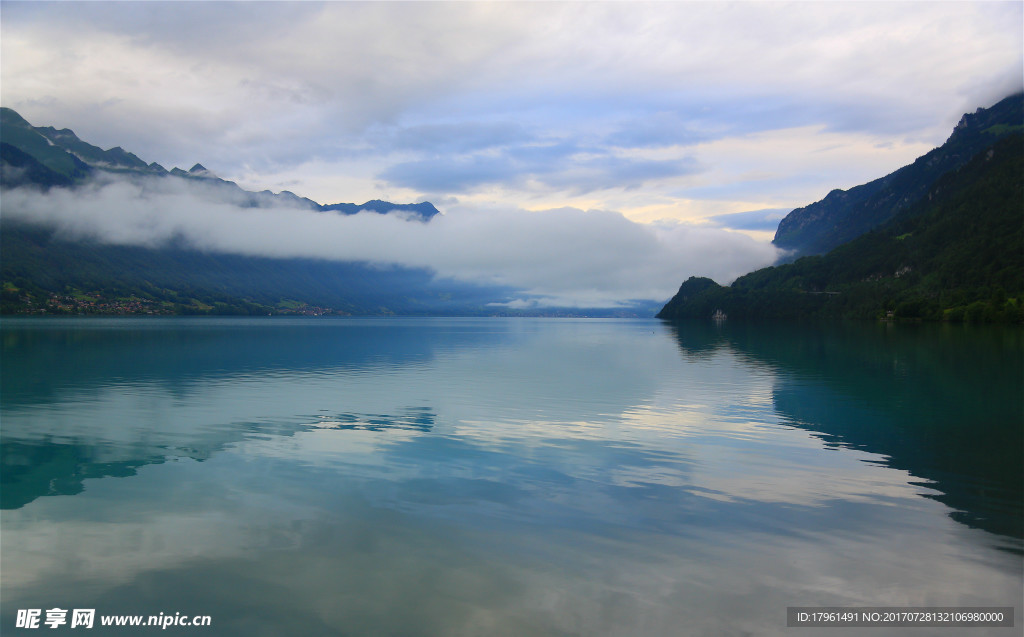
956,254
846,214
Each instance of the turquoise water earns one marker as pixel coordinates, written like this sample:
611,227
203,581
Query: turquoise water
507,476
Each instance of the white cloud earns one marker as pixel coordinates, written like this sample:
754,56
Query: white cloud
561,257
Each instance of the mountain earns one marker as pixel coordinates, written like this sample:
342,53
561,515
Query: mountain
47,157
61,151
44,272
18,168
424,210
956,254
846,214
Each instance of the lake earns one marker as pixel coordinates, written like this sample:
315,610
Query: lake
491,476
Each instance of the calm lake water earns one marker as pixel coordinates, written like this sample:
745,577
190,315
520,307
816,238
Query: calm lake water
507,476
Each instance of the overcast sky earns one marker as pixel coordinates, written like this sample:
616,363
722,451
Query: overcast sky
709,115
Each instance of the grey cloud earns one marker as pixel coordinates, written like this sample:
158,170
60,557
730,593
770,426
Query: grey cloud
610,171
212,26
262,83
661,129
452,174
453,137
564,166
756,185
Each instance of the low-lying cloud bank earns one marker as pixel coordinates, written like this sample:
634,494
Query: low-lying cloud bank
562,257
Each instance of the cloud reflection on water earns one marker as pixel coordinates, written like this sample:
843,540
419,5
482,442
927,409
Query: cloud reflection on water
475,491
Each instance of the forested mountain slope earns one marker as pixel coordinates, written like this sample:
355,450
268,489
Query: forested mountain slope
956,254
846,214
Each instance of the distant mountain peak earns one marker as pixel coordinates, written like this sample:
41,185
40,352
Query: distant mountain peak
200,170
425,210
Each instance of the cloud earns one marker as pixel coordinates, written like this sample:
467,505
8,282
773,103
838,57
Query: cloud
758,220
444,138
453,174
565,256
541,99
661,129
552,166
286,79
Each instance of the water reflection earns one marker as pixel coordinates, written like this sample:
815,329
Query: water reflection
100,398
465,477
44,358
941,402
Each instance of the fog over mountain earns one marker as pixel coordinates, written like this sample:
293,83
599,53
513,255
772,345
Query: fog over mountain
563,257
